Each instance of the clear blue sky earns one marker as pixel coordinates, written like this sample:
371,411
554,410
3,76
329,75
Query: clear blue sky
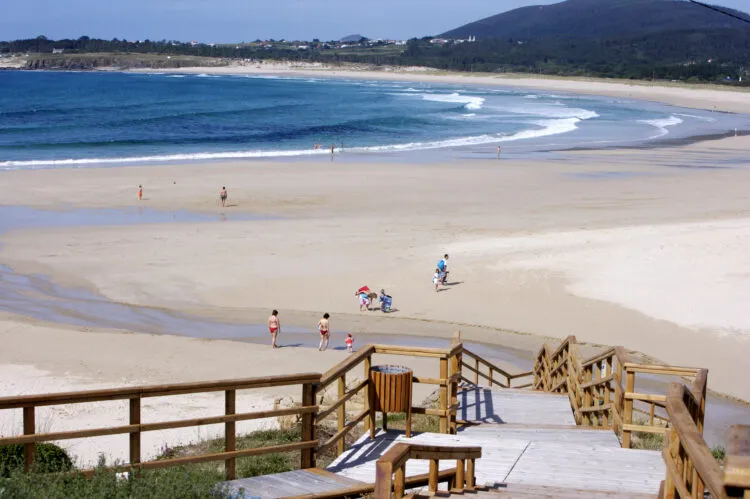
243,20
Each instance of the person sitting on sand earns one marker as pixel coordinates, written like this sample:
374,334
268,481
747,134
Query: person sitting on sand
140,193
274,327
223,196
349,343
324,327
385,301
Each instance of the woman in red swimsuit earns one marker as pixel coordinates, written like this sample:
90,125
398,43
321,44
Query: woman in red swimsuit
324,327
274,326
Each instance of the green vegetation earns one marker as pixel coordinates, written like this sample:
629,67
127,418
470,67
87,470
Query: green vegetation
49,458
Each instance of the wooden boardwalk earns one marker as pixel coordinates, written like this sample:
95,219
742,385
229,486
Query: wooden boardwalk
531,447
483,405
291,483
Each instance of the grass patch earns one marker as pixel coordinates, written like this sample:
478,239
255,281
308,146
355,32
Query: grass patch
419,423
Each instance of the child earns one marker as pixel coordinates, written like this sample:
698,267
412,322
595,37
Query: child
324,329
140,193
436,279
349,343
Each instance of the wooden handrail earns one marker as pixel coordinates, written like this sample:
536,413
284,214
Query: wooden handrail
394,461
690,465
345,366
20,401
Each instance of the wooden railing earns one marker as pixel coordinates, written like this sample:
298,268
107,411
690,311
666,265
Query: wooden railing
136,427
601,389
490,373
737,462
447,383
395,459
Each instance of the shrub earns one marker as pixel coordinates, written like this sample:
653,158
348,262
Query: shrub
49,458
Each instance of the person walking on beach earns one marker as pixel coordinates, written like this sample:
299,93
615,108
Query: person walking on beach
223,196
140,193
436,279
498,152
443,268
349,343
324,328
274,327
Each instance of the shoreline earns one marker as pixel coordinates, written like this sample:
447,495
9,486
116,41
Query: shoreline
694,97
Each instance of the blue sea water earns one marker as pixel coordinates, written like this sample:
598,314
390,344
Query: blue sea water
57,119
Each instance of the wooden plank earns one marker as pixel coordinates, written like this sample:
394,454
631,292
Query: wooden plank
524,491
307,455
29,428
351,393
345,366
292,483
135,435
514,406
341,414
737,464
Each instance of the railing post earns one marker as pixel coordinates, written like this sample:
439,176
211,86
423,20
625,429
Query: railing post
369,420
29,428
230,434
460,476
307,458
341,415
627,417
135,436
587,399
400,483
432,483
470,478
443,395
606,391
383,480
454,369
476,371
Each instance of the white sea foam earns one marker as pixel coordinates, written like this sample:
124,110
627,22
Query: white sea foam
701,118
662,124
470,102
547,128
175,76
531,96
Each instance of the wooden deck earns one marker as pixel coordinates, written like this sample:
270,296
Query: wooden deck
483,405
291,483
531,447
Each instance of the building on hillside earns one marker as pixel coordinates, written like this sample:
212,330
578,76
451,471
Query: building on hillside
57,51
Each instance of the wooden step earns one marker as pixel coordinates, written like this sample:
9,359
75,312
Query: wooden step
563,435
291,483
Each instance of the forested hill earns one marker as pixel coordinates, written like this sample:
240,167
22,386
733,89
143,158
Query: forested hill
590,19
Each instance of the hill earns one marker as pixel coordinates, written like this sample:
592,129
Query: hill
353,39
590,19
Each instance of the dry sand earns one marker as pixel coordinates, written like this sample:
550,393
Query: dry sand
640,248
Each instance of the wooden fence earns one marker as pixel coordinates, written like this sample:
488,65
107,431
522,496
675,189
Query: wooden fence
136,427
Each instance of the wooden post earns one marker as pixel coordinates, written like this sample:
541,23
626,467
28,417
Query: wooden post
135,436
341,415
476,371
470,478
627,417
460,477
443,396
307,458
400,484
29,428
490,380
369,420
383,480
587,399
230,434
433,477
454,369
607,399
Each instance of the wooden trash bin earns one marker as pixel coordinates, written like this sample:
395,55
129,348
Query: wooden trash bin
391,392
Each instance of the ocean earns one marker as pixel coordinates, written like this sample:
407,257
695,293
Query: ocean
69,119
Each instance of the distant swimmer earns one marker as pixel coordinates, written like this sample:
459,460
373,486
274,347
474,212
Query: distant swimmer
333,148
498,152
140,193
223,196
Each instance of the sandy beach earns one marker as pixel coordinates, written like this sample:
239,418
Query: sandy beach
644,248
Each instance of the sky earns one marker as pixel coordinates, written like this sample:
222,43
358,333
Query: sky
221,21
